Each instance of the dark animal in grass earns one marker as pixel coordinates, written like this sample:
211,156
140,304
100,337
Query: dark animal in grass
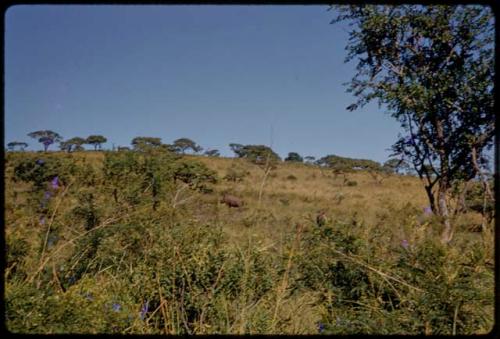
231,200
321,218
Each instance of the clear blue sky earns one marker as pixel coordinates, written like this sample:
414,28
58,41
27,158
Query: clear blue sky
215,74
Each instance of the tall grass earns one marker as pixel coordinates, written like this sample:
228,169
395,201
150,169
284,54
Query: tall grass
122,246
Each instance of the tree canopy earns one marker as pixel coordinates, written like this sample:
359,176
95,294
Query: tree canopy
75,142
258,154
347,164
432,69
46,137
96,141
184,144
13,144
294,157
146,143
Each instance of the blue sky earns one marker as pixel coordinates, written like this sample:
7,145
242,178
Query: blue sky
215,74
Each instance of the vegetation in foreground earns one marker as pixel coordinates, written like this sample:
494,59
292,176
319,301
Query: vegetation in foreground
139,242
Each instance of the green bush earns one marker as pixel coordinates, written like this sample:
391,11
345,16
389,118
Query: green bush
195,174
235,174
40,170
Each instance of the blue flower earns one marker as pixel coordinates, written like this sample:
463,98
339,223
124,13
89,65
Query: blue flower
71,280
116,307
428,210
55,182
144,310
40,162
321,327
47,195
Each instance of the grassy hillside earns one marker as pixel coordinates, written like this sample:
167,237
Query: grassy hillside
131,243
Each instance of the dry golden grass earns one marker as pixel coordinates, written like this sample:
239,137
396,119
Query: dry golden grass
296,192
380,212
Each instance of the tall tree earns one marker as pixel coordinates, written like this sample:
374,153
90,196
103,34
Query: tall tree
12,145
96,141
73,144
46,137
294,157
184,144
259,154
146,143
432,68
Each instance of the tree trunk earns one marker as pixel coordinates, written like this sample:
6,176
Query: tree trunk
444,184
432,200
487,190
447,234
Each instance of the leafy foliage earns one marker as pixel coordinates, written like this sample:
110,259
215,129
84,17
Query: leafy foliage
75,142
432,68
96,141
144,144
347,164
13,144
258,154
115,251
294,157
46,137
183,144
195,174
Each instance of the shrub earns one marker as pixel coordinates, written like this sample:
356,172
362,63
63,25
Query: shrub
195,174
41,170
235,174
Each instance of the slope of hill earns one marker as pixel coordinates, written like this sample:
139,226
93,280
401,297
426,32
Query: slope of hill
122,242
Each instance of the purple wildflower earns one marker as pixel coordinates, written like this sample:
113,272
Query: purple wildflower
40,162
428,210
47,195
116,307
42,220
405,244
55,182
321,327
144,310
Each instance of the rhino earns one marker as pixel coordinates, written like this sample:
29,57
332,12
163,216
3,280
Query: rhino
321,218
231,200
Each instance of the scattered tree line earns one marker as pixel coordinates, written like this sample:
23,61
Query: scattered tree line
258,154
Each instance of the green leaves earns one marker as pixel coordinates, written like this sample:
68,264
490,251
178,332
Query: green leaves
432,69
95,140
